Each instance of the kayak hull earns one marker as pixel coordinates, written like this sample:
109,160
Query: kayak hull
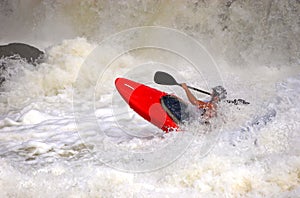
145,101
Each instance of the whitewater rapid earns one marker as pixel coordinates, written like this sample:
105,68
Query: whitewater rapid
40,141
45,151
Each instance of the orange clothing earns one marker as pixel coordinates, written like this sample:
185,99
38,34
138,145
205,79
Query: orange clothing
208,107
205,105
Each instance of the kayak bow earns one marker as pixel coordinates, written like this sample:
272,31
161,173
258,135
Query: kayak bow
146,101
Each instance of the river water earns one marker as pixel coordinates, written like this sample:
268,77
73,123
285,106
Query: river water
65,131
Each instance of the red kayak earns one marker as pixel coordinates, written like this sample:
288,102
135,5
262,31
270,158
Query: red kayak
157,107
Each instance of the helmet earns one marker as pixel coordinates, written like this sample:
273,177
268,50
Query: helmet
220,92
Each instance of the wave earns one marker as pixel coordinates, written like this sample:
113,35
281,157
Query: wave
241,32
256,46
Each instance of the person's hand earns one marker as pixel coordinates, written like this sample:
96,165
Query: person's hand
184,86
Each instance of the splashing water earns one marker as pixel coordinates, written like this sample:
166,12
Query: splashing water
257,50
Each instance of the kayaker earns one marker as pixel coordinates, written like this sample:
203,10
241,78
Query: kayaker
209,108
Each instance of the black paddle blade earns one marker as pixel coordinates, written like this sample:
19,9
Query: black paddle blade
164,78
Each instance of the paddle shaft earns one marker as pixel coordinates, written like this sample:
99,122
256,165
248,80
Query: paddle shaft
199,90
164,78
235,101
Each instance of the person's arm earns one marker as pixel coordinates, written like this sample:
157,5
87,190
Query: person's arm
194,100
189,94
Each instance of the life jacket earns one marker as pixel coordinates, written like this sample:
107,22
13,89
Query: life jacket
209,109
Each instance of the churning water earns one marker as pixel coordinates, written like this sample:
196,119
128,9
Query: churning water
49,146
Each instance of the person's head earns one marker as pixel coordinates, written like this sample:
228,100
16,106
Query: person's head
219,92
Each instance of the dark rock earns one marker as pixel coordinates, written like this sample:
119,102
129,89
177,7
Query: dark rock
17,51
30,53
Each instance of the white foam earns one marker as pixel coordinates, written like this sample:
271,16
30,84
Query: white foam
42,154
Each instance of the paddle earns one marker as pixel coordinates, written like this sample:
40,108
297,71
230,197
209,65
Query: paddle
164,78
